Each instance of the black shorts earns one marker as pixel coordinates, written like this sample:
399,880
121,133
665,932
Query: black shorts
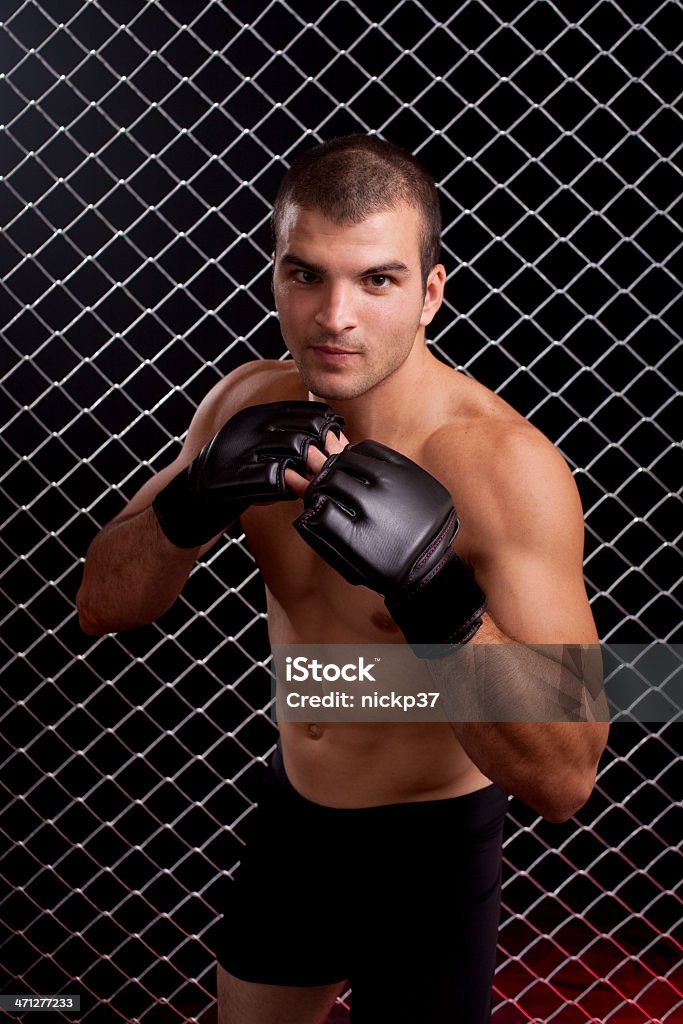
402,901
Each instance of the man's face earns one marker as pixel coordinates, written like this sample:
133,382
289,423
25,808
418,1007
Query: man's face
350,297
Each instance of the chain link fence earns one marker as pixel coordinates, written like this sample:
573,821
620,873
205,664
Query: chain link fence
141,149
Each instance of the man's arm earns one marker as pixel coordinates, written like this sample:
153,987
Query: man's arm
528,559
132,572
546,761
132,575
138,564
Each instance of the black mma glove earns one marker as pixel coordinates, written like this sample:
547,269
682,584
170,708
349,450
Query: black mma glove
244,463
382,521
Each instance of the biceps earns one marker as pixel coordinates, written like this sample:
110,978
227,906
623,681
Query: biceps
537,600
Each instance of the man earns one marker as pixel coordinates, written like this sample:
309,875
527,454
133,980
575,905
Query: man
376,847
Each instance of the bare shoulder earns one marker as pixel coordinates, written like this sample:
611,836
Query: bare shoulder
478,431
254,383
521,521
504,474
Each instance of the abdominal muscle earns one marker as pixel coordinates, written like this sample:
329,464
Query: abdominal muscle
368,764
364,764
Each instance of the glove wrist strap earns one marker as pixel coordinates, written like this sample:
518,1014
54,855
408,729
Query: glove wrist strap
182,517
446,608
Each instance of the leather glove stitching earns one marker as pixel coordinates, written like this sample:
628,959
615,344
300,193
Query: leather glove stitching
305,516
430,575
424,558
322,476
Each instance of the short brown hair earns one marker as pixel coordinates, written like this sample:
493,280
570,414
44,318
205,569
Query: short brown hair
353,176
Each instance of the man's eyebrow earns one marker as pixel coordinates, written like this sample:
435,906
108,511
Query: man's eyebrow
290,257
394,266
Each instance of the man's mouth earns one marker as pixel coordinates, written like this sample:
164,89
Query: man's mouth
332,354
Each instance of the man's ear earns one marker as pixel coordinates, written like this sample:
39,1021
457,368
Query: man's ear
436,281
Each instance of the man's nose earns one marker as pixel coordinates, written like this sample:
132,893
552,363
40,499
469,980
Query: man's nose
336,310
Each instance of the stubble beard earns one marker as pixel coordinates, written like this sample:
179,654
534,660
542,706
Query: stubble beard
347,383
339,386
344,385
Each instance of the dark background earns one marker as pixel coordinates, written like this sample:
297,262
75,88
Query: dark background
142,147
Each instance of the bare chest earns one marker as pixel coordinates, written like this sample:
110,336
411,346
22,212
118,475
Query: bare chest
307,600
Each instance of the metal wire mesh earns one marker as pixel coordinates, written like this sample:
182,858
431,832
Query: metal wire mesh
141,148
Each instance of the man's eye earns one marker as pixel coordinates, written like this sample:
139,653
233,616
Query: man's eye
380,281
304,276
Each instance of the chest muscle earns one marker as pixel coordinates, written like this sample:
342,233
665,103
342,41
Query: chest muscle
308,601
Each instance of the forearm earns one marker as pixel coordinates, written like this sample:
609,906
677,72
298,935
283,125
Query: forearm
132,575
550,766
533,719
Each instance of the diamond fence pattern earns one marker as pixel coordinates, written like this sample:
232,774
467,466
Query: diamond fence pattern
142,146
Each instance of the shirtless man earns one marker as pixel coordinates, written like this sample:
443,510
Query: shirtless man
372,839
